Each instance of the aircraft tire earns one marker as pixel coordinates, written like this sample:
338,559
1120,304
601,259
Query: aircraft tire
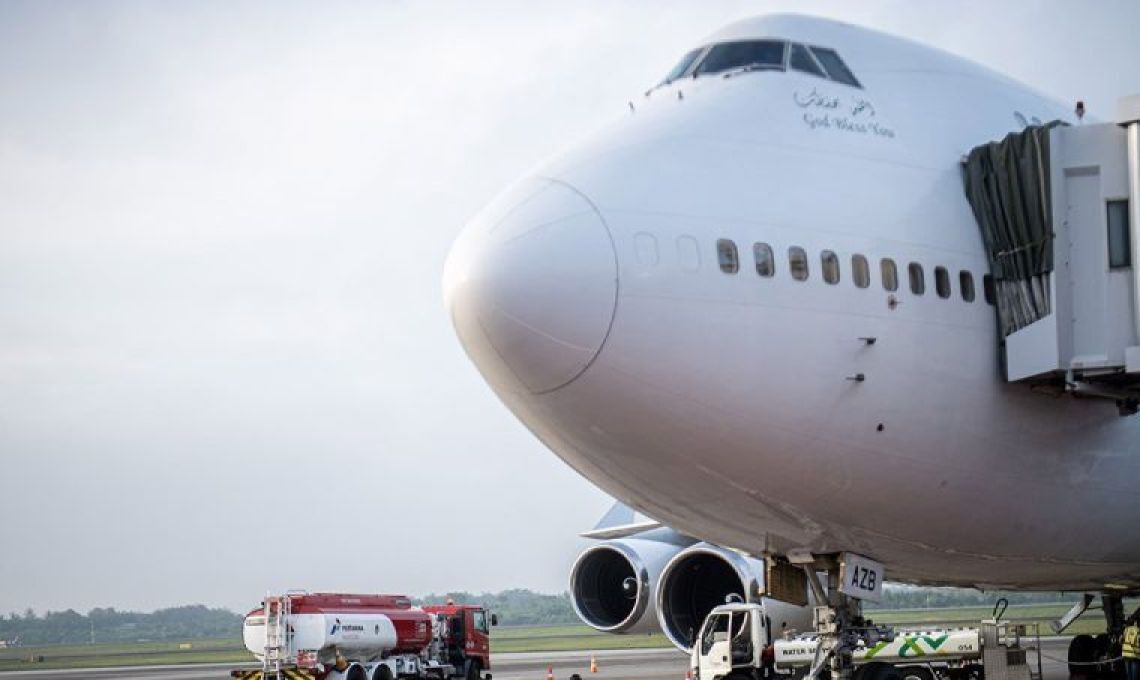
1082,650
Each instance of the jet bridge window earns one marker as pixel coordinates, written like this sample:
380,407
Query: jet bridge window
836,69
942,282
890,274
830,264
917,278
765,260
1119,248
727,256
798,263
966,284
757,54
860,272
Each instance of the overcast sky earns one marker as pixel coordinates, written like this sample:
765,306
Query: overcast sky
225,365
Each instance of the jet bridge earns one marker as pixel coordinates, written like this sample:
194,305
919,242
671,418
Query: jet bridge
1059,211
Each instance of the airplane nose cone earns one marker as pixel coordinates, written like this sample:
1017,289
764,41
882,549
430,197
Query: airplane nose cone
531,285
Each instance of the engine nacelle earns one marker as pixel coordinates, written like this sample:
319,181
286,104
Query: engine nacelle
612,583
698,579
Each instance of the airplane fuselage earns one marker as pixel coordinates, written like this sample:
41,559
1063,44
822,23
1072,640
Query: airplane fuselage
759,411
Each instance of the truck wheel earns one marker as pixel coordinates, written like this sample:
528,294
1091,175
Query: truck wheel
878,671
471,670
356,673
916,673
382,672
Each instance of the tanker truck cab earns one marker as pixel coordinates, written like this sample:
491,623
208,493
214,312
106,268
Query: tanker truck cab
464,637
735,640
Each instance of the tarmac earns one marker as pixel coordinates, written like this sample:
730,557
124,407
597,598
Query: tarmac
624,664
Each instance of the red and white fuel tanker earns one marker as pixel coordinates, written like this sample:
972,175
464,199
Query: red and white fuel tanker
340,636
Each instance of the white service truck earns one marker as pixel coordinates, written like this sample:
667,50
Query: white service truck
736,643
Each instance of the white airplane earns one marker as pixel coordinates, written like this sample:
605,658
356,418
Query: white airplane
752,309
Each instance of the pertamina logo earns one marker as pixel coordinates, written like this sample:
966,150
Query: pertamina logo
345,628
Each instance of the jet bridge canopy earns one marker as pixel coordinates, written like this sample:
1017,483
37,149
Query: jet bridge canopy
1008,186
1058,208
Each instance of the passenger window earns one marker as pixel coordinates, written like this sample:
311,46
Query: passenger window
966,284
942,282
830,262
834,66
917,278
988,289
646,246
480,621
860,272
727,256
759,54
798,263
890,274
688,254
765,261
1119,248
801,60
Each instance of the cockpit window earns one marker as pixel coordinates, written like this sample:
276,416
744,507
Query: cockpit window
758,54
801,60
763,55
682,66
836,69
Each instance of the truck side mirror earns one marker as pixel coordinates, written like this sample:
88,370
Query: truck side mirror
494,619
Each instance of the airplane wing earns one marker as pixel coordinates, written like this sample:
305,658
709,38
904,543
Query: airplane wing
619,522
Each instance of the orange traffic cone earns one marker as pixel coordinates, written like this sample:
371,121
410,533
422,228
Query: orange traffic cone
593,664
550,673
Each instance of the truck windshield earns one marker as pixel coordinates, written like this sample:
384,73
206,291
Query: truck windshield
716,630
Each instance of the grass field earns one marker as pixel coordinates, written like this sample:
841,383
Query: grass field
503,639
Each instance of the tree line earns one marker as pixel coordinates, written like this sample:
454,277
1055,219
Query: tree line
110,625
516,607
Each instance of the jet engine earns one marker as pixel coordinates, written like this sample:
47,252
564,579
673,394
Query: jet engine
611,583
699,578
